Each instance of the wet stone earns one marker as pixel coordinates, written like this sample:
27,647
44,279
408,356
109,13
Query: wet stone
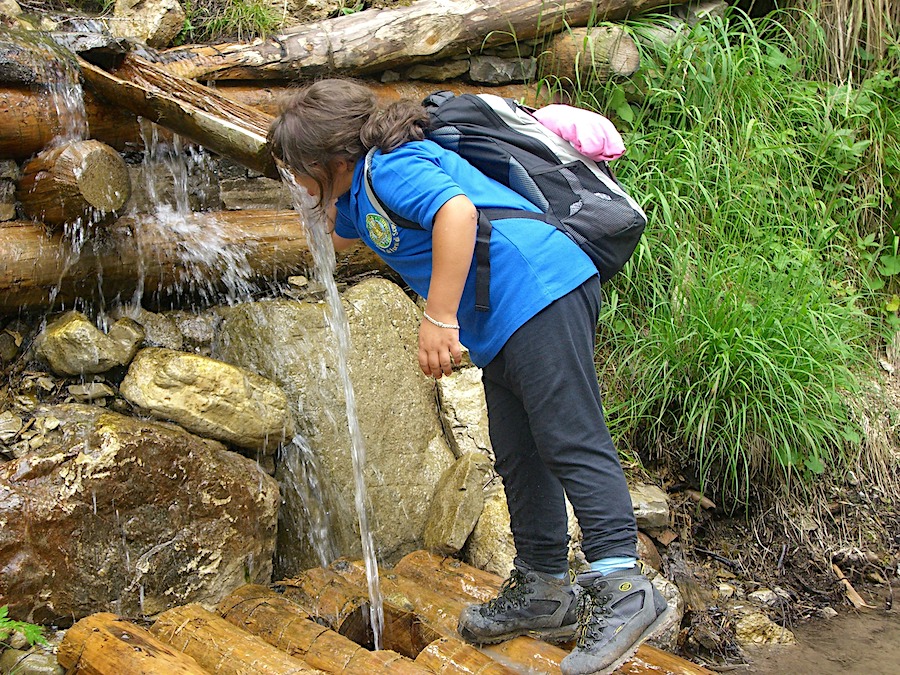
90,391
10,425
38,662
73,345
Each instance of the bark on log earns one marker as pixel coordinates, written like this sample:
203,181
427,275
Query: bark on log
222,648
41,269
441,608
104,644
590,54
189,109
77,182
373,41
345,607
285,625
30,123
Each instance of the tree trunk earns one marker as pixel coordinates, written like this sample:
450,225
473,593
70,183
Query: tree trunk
30,124
591,54
189,109
41,269
104,644
448,656
285,625
430,589
345,607
79,182
220,647
373,41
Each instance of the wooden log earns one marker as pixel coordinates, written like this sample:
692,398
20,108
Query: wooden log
448,655
83,182
416,639
373,41
328,596
30,122
285,625
437,602
584,55
189,109
222,648
41,269
104,644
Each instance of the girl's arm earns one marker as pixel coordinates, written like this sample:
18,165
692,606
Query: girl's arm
453,244
340,243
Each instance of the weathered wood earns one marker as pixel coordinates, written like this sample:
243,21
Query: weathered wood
222,648
584,55
41,269
77,182
30,121
187,108
345,607
285,625
373,41
404,631
450,655
104,644
436,601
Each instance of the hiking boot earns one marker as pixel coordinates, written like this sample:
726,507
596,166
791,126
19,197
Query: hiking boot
529,603
616,613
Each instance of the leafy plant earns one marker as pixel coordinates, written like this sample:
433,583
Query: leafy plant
34,634
211,20
747,317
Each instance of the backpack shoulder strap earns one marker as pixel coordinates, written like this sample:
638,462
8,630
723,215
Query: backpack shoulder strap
383,211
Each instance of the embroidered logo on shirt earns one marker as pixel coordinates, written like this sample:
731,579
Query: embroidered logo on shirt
382,232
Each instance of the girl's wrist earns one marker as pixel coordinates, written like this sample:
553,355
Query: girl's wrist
440,324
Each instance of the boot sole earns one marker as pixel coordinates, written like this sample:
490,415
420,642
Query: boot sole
651,630
554,635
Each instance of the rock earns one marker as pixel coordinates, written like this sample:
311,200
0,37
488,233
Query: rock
491,546
197,330
159,329
764,596
438,72
651,506
210,398
90,391
123,515
7,200
648,552
8,347
457,504
9,9
289,342
667,636
464,412
72,345
496,70
154,22
10,425
36,662
756,628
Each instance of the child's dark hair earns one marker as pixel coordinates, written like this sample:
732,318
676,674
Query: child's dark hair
339,119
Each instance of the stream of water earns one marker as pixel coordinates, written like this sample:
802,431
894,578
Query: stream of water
323,257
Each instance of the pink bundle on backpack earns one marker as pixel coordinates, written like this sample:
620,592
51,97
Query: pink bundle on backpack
590,133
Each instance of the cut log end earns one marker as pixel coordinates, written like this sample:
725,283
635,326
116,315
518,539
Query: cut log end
103,179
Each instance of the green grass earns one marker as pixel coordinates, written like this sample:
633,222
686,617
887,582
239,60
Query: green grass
765,280
212,20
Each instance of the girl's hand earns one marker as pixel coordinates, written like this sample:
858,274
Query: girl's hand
439,349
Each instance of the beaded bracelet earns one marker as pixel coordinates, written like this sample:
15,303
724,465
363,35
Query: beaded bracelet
441,324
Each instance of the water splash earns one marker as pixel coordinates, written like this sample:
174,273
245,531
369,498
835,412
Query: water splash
302,502
323,257
205,260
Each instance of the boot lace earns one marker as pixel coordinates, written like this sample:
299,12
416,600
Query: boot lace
593,612
512,594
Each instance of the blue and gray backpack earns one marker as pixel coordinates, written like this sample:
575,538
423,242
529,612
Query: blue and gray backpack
505,141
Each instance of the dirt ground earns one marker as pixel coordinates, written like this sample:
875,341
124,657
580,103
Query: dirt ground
863,643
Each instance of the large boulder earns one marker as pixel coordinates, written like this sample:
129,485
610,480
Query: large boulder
289,342
209,397
73,345
122,515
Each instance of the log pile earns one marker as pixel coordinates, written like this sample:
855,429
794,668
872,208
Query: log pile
306,629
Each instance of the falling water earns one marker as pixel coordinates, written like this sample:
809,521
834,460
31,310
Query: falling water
323,256
301,479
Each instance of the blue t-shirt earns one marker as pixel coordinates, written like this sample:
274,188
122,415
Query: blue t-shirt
532,263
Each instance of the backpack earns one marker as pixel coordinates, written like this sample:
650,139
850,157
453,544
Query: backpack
506,142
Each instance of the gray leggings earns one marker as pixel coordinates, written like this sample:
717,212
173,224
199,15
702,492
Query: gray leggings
548,433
